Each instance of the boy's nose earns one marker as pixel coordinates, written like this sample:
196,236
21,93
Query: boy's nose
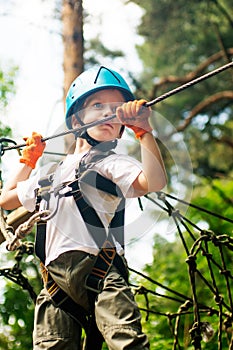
108,110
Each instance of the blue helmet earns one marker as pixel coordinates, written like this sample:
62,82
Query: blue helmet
89,82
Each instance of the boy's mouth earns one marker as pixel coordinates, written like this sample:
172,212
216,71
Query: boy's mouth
109,125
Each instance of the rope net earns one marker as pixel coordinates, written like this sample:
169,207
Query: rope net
198,312
202,312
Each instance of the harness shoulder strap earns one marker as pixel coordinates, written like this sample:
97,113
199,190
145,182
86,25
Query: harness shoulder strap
45,185
93,178
95,225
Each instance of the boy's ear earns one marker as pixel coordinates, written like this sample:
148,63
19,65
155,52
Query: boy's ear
74,122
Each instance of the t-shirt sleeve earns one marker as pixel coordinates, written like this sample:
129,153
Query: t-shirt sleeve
26,190
122,170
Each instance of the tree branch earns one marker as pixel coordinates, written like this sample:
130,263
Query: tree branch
204,104
171,79
201,107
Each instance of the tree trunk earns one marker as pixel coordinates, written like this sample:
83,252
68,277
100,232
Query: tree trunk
72,19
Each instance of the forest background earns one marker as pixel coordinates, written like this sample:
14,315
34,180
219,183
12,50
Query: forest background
174,43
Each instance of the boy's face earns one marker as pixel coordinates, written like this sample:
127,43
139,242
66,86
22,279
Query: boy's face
98,106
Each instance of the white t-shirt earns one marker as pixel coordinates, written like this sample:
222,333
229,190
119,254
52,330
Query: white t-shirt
66,230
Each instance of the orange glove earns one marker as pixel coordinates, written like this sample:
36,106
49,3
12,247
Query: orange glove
33,150
135,116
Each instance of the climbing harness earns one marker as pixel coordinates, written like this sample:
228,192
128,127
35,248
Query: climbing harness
107,255
86,175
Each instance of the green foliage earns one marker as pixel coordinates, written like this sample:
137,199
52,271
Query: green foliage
178,34
213,194
184,40
95,51
17,309
18,313
169,271
7,86
7,91
169,290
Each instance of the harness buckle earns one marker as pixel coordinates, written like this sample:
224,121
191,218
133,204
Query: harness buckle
66,189
57,191
74,186
94,284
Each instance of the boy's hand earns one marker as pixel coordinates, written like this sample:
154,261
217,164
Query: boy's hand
33,150
135,116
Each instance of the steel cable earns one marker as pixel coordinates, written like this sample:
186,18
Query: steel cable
164,96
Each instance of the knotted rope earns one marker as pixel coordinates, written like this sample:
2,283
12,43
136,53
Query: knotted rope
24,229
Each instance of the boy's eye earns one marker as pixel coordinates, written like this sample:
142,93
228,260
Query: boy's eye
98,105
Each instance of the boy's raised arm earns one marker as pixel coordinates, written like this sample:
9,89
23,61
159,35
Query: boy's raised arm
135,116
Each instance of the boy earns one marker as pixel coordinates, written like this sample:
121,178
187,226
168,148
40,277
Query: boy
71,248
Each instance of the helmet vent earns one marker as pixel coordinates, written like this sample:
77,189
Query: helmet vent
98,73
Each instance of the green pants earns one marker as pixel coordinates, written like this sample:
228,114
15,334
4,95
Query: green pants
116,312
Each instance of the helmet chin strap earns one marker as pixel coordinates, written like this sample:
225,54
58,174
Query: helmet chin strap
103,146
89,139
